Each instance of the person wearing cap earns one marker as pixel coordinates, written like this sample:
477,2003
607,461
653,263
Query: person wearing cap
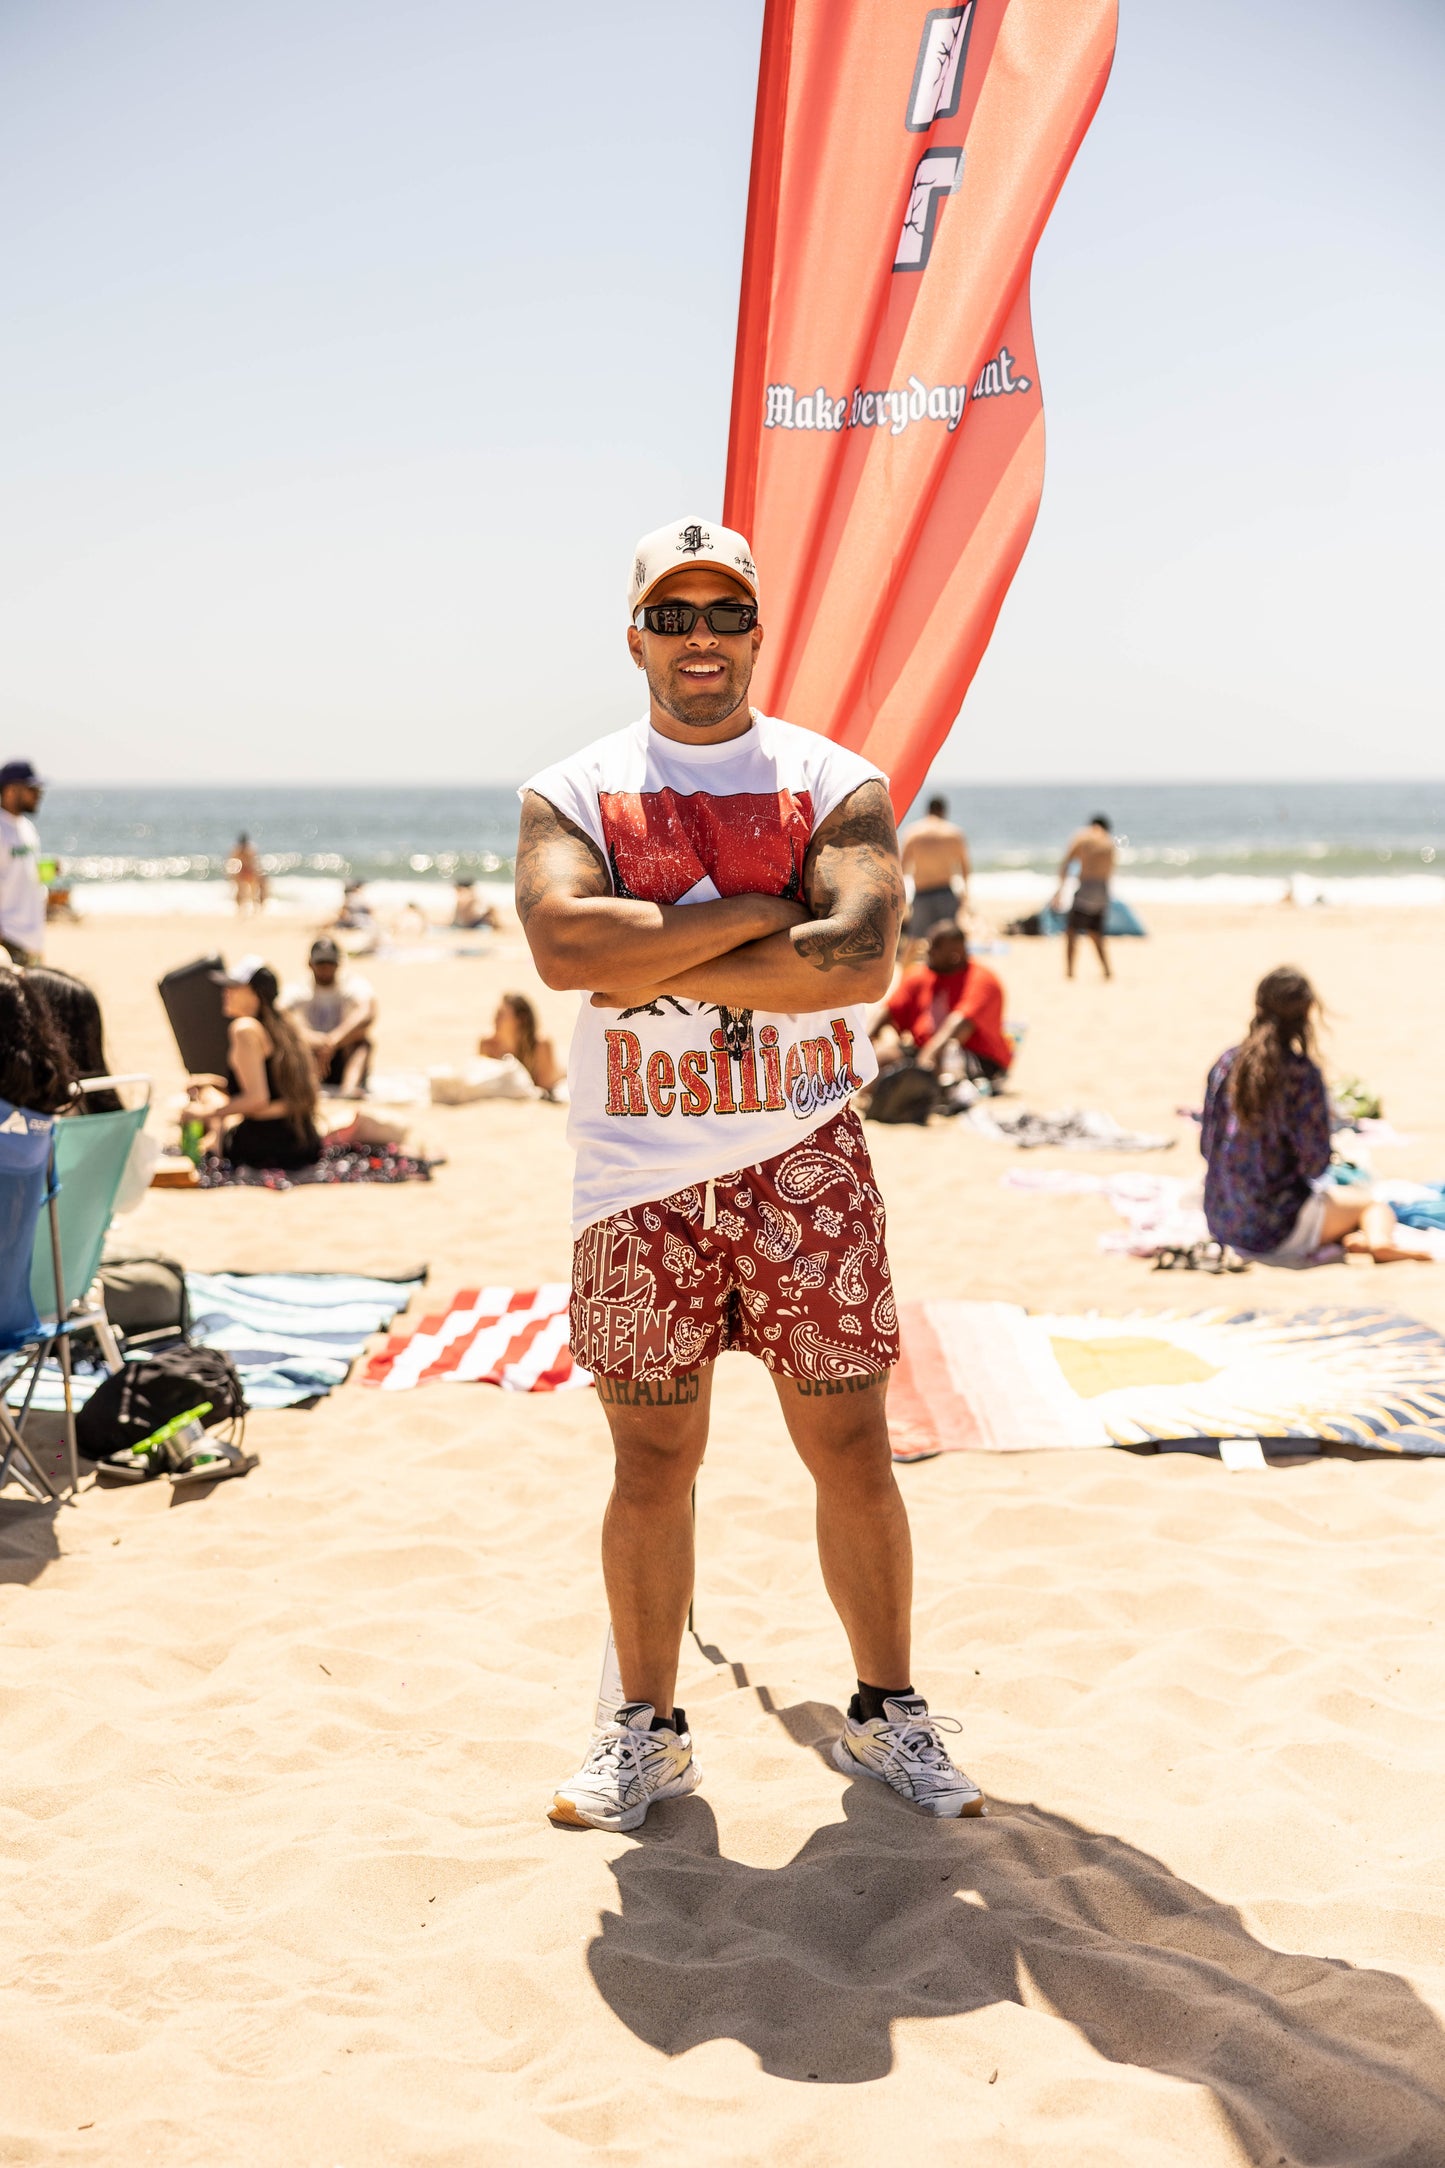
725,891
266,1116
334,1016
22,892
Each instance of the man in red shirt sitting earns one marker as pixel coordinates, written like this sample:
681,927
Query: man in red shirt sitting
949,1001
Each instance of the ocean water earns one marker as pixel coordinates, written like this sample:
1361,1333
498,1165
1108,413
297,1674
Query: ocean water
164,848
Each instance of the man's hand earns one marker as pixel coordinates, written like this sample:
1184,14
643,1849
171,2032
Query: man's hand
580,933
957,1026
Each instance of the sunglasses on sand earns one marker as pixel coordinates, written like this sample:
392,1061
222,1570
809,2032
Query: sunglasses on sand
675,619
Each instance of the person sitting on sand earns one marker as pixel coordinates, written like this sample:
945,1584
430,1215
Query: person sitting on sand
470,916
334,1015
514,1031
75,1013
34,1065
1266,1138
355,913
267,1116
949,1011
935,856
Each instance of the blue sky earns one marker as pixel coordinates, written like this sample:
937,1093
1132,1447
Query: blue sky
350,346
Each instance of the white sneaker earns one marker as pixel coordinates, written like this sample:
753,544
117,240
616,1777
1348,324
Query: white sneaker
629,1766
902,1749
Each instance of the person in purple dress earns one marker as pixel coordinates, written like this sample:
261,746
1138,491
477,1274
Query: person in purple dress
1266,1138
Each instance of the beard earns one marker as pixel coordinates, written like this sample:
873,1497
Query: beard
700,710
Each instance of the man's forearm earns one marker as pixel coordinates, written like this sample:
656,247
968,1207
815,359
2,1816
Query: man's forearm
811,967
591,941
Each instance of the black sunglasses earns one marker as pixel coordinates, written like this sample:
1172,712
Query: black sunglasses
674,619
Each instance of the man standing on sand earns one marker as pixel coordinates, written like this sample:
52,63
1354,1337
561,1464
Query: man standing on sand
1092,848
935,854
243,869
727,889
22,892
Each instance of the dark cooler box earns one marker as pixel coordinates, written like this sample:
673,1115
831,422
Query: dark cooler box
193,1003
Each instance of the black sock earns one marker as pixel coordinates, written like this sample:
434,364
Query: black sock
677,1721
868,1702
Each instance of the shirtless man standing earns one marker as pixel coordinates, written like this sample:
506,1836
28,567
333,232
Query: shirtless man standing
935,853
243,868
726,888
1093,850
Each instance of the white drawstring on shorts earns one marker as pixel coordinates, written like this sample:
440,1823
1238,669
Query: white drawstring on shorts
709,1206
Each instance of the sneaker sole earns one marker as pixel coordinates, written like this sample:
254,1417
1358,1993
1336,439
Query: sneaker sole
564,1813
945,1810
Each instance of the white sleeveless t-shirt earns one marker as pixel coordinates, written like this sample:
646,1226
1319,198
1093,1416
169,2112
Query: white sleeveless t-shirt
669,1095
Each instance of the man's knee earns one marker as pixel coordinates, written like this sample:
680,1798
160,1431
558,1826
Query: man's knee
659,1431
840,1426
856,1456
655,1470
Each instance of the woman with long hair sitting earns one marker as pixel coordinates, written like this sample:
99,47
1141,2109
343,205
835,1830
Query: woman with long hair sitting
75,1013
514,1031
1266,1138
267,1117
35,1069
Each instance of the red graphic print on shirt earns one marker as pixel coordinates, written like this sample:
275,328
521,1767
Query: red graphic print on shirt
660,843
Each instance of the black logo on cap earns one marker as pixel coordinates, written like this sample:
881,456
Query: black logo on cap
693,539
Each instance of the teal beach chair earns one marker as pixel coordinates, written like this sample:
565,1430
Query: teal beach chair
26,1146
87,1159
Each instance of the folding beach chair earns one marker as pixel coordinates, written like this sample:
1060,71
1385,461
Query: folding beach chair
26,1143
88,1157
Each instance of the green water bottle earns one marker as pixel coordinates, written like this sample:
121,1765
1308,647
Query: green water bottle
192,1131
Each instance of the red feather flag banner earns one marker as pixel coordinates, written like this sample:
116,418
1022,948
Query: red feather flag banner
886,455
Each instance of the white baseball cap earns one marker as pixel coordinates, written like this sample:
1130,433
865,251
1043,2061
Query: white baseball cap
683,543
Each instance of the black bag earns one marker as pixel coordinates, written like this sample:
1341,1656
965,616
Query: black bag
904,1093
145,1297
143,1395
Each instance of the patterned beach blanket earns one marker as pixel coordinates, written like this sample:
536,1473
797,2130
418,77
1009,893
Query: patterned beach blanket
507,1336
991,1377
338,1163
293,1336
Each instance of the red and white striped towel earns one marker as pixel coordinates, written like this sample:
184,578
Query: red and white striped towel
507,1336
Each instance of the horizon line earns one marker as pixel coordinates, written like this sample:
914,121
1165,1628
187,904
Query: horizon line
942,783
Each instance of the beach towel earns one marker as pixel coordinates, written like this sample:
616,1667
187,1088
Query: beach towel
1415,1204
1079,1128
338,1163
507,1336
293,1336
992,1377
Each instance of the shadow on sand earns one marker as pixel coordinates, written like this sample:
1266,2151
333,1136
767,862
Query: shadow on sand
28,1539
893,1916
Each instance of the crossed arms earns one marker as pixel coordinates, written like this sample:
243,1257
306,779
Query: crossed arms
742,952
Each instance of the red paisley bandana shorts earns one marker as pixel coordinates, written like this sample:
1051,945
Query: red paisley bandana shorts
785,1261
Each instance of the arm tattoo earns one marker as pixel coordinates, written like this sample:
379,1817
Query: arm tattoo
853,883
831,942
553,853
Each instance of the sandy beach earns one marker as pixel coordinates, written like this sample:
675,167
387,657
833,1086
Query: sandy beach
257,1745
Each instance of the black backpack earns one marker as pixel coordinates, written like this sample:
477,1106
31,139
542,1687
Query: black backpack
904,1093
141,1396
